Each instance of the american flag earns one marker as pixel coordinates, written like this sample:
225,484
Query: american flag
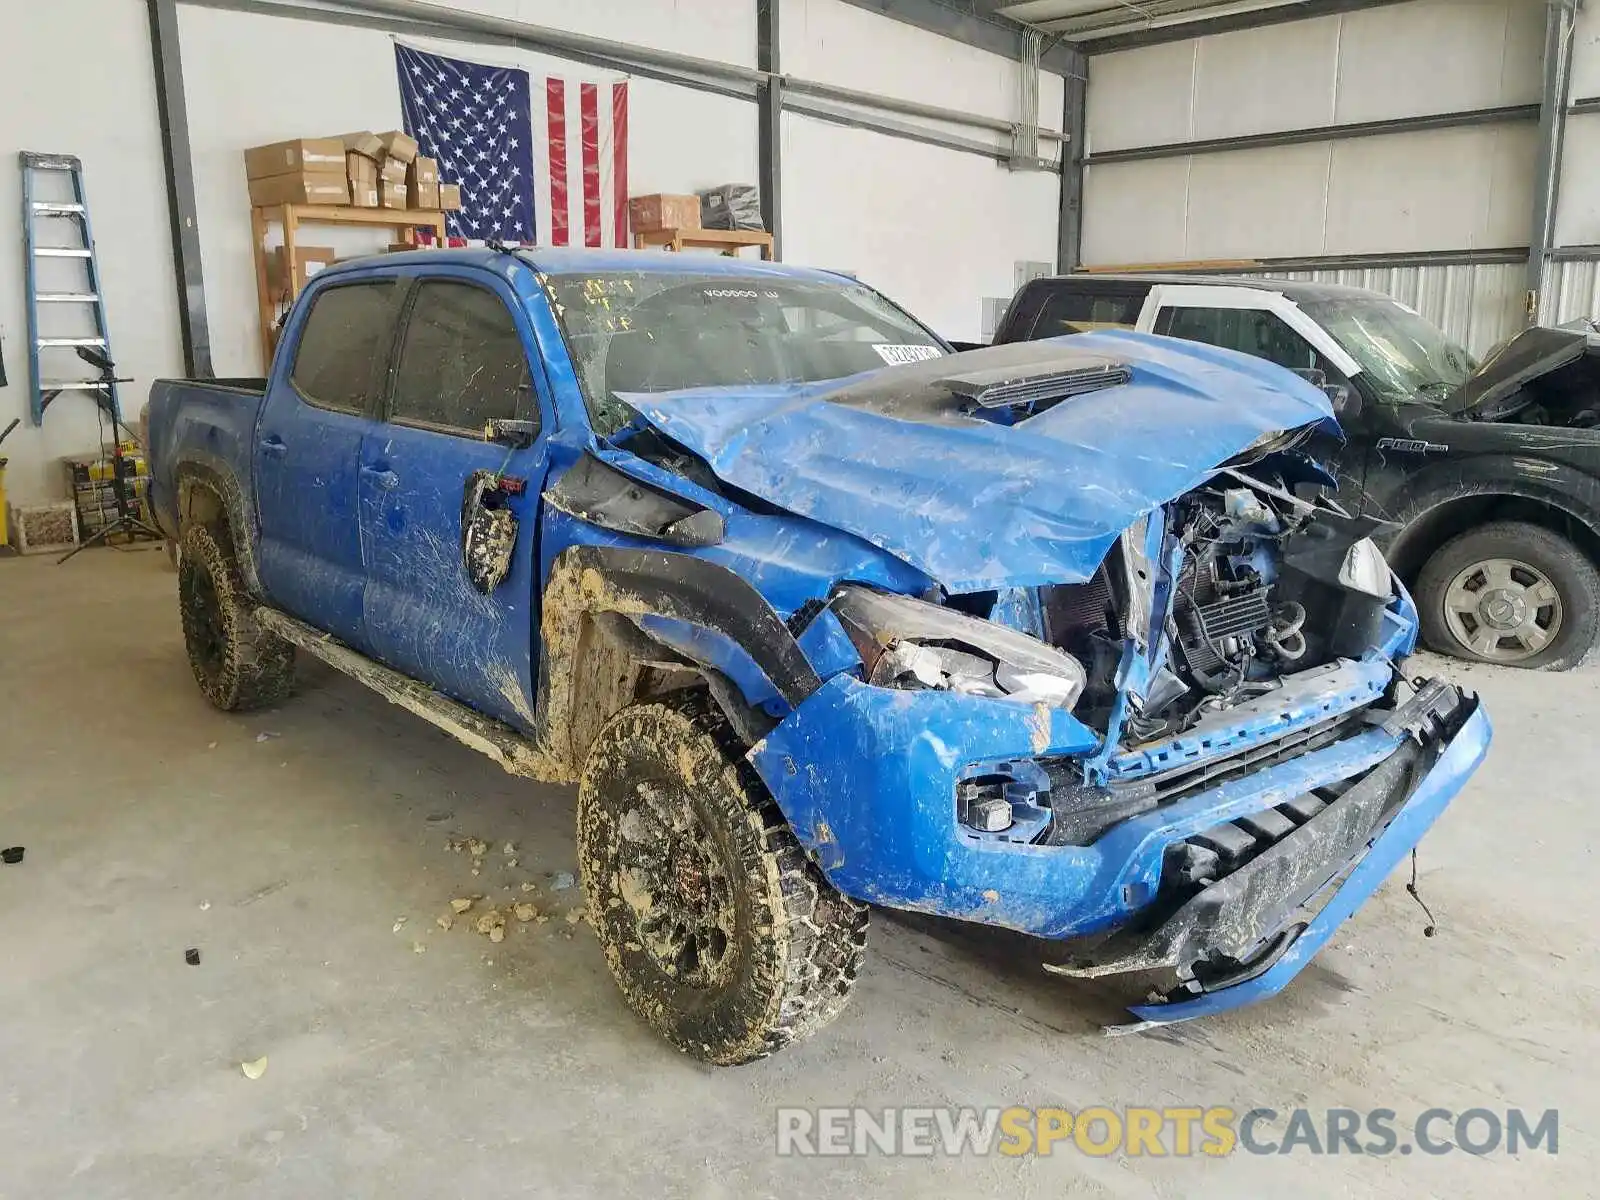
559,177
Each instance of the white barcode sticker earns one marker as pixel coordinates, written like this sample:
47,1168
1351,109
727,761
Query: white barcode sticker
899,355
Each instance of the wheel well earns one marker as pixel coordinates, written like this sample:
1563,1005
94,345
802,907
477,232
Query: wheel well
1424,536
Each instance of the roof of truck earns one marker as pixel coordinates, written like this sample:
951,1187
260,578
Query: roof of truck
558,260
1296,290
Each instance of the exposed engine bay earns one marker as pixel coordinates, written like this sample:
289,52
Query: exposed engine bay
1209,602
1266,584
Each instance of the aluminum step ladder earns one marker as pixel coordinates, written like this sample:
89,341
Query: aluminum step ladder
62,273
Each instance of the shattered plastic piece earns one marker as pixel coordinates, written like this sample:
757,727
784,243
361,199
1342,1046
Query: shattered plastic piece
525,912
461,903
418,948
399,923
444,923
510,862
497,934
192,956
475,871
563,880
267,735
255,1069
211,745
575,916
528,887
510,849
478,847
204,905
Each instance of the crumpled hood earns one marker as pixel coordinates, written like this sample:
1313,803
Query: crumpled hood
891,456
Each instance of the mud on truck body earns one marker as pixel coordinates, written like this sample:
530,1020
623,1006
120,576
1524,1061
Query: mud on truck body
819,615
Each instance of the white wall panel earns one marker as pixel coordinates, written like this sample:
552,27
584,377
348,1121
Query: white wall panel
934,229
1578,219
832,42
1141,97
1577,292
75,78
233,73
1278,77
1466,188
1403,60
1136,212
1439,56
1256,203
1456,189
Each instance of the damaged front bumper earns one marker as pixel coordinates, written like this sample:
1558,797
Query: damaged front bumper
868,779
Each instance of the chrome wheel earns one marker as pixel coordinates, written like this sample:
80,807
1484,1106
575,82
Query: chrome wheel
1503,610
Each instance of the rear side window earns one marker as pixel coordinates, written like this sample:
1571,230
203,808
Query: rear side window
462,364
1068,310
344,345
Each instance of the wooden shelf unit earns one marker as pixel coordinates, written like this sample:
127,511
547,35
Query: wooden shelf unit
404,222
725,241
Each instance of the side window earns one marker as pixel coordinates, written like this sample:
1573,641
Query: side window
344,345
1069,311
462,363
1249,331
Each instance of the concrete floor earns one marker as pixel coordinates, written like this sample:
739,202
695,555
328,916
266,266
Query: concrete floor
153,824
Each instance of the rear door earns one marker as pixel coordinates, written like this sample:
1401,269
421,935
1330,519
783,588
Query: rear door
425,474
308,443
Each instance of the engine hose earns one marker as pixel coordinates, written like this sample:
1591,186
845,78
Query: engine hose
1284,635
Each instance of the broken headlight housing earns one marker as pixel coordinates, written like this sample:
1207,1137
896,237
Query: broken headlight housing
910,643
1365,570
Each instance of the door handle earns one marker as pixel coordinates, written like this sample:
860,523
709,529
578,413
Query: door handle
274,446
382,476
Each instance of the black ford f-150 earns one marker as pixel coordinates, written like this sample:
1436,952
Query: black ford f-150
1489,472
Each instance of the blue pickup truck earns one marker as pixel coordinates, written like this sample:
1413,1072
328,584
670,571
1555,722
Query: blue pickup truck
819,615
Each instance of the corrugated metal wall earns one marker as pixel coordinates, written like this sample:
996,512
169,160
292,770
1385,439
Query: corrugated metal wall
1479,305
1576,286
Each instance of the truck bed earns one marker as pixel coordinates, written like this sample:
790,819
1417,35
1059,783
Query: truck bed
208,424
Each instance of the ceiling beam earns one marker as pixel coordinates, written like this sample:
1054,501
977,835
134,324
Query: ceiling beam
1182,31
972,22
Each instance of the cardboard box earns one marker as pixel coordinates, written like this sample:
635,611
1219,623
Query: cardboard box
399,145
308,260
450,197
422,183
662,211
392,195
302,154
363,175
366,142
301,187
392,170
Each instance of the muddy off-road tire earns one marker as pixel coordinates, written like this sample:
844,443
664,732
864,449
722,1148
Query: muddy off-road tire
718,930
237,664
1511,594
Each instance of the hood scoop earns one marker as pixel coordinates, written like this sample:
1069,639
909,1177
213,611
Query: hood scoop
1000,387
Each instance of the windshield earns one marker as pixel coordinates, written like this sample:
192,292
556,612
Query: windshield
657,331
1402,356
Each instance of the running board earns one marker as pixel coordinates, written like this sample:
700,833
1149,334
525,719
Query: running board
514,751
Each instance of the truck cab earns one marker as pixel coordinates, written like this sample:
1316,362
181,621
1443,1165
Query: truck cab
1495,518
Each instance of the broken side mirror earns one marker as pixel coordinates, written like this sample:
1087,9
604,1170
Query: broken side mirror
1346,401
519,435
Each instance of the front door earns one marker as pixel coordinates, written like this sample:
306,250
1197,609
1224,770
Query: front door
308,442
451,588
